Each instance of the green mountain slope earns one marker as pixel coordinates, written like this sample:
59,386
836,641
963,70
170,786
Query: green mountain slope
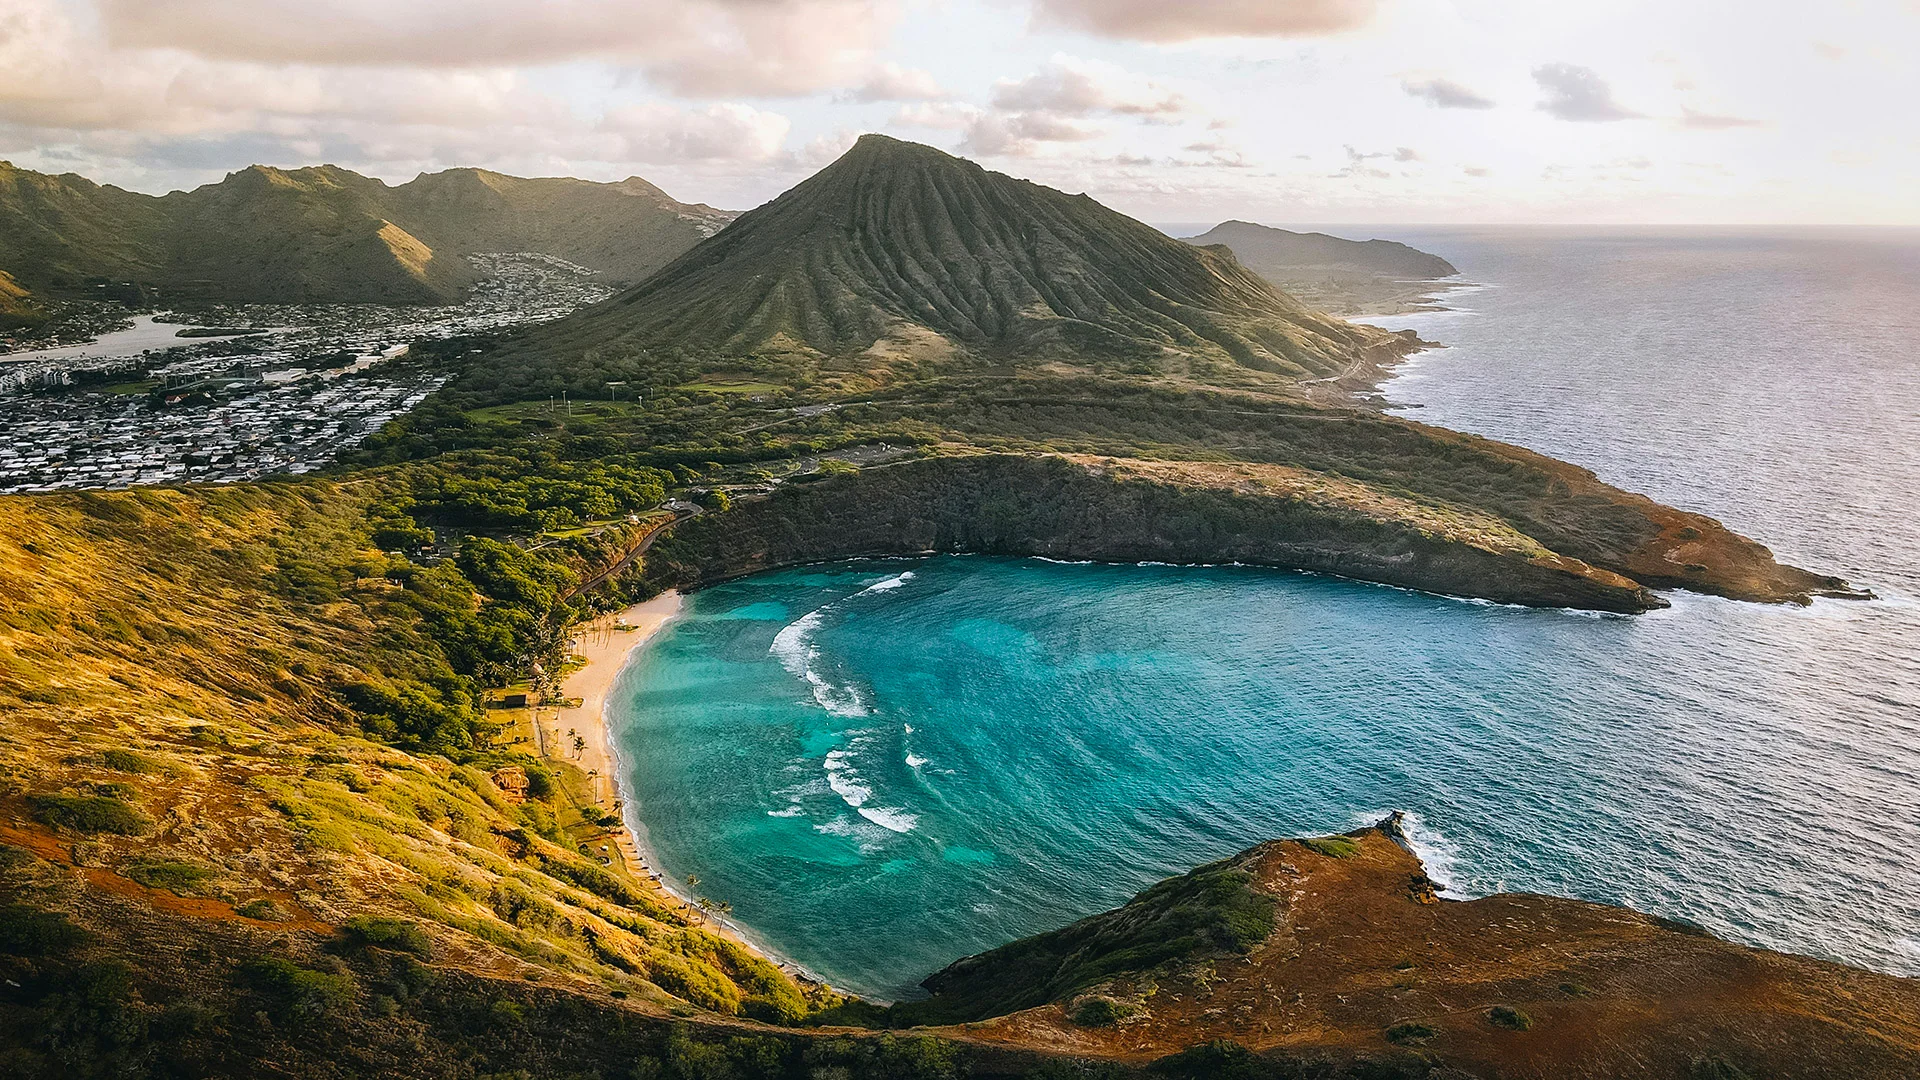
17,308
327,234
628,230
1279,254
900,251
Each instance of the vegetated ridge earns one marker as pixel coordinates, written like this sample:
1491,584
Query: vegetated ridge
329,235
931,303
900,252
1280,253
17,309
1350,276
1340,946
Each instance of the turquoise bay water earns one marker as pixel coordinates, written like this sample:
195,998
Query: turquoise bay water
887,765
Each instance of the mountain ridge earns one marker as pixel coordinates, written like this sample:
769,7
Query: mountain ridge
1274,252
320,234
900,248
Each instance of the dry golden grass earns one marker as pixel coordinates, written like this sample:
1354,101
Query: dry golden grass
180,652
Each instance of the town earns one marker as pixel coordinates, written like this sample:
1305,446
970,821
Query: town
237,392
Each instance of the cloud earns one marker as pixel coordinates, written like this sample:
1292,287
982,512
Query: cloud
1406,153
941,116
1073,87
1578,93
162,117
891,82
1713,121
1187,20
664,135
699,48
1020,135
1445,94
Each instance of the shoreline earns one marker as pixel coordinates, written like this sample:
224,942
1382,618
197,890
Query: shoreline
608,644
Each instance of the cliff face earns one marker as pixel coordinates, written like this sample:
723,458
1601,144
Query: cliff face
1338,948
1132,511
1128,510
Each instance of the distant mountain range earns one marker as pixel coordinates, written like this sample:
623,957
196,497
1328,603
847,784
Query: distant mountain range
329,235
1351,277
1280,253
898,250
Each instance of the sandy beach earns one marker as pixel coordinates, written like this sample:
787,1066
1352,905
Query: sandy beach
605,644
578,734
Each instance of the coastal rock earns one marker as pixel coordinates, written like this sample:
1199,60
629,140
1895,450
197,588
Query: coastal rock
1354,956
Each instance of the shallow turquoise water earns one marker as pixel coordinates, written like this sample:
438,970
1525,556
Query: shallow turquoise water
885,766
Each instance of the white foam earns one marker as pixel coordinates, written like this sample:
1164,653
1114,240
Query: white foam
889,584
844,781
1439,855
891,819
792,811
793,646
914,761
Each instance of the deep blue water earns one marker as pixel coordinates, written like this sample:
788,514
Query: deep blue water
885,766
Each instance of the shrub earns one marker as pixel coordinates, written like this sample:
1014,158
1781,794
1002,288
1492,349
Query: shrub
263,910
1411,1033
28,931
299,991
1101,1012
1221,1059
399,935
127,761
1506,1016
172,875
90,814
1338,847
539,783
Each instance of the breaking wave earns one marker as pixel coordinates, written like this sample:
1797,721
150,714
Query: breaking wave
794,647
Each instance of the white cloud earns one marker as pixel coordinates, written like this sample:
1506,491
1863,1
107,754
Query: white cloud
1187,20
891,82
939,116
702,48
1069,86
1705,121
1578,93
1021,134
1445,94
665,135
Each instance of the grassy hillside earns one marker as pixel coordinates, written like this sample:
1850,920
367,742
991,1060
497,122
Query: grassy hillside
898,255
626,230
228,705
17,307
329,235
1339,945
1349,276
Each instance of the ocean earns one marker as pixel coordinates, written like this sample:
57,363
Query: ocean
884,766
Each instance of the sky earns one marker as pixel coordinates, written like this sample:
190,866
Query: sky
1389,111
